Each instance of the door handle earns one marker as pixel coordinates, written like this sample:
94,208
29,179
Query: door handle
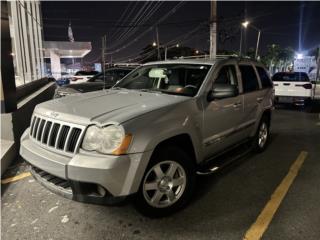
236,104
259,100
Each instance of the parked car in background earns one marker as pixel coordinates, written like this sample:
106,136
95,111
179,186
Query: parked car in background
151,133
64,79
292,87
82,76
98,82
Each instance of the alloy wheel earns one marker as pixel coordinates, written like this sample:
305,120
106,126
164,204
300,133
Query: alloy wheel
263,135
164,184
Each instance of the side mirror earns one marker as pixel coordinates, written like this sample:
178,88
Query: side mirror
220,91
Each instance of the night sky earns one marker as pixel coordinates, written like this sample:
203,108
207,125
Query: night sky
279,21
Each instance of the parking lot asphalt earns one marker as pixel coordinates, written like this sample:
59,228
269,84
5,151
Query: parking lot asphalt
224,206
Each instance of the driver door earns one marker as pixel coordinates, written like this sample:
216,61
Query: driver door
222,117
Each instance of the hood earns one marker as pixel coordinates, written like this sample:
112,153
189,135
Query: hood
106,106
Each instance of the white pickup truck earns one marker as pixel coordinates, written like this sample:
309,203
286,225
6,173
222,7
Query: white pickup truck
292,87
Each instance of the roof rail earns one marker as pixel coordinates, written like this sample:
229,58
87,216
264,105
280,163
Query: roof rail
206,56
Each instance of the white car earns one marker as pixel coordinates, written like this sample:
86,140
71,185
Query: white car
292,87
82,76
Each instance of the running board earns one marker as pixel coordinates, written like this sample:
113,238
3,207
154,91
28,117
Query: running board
216,165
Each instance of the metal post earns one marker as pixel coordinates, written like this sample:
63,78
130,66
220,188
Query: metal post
258,40
213,30
165,53
158,43
240,50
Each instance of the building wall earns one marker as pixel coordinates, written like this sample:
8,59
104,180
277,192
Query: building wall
22,81
26,37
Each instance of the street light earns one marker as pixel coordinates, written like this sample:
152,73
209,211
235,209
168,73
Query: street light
154,44
166,49
245,24
299,55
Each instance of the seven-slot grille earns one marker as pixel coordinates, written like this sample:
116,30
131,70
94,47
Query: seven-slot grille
57,135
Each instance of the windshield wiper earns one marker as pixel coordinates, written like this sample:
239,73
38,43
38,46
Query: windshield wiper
117,88
149,90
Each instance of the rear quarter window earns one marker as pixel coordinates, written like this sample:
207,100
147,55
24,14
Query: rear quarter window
249,78
264,77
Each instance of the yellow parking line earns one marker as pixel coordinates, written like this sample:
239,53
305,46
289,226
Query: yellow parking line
15,178
261,224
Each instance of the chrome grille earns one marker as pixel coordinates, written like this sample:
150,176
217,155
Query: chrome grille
57,135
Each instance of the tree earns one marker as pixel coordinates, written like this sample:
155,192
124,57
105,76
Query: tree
286,58
277,58
251,53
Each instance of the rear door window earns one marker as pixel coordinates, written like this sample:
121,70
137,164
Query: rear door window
249,78
265,80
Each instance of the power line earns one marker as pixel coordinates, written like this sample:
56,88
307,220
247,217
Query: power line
180,4
133,30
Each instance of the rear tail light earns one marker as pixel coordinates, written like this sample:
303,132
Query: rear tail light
75,79
306,86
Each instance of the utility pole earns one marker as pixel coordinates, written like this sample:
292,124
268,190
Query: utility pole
240,49
318,65
213,30
103,58
158,43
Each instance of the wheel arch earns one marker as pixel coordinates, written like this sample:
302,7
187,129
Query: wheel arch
183,141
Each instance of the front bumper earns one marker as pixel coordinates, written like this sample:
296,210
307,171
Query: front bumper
119,176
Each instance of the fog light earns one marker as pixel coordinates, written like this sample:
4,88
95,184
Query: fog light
101,191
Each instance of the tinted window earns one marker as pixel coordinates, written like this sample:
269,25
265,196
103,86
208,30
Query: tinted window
85,73
249,78
265,80
227,75
111,76
121,73
291,77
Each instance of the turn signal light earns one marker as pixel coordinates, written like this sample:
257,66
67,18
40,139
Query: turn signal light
306,86
122,149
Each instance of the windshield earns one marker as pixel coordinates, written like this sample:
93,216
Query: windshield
86,73
110,76
178,79
290,77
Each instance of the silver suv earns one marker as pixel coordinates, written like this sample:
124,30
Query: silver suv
151,133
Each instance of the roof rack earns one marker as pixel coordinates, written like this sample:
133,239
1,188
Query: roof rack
206,56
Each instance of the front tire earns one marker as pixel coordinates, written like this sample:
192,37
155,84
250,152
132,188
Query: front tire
167,184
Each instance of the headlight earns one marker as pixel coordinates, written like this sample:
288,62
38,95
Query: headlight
108,140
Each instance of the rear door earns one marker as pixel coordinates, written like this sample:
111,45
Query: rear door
252,97
295,84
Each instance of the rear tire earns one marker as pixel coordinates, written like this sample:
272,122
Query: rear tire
167,184
261,138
